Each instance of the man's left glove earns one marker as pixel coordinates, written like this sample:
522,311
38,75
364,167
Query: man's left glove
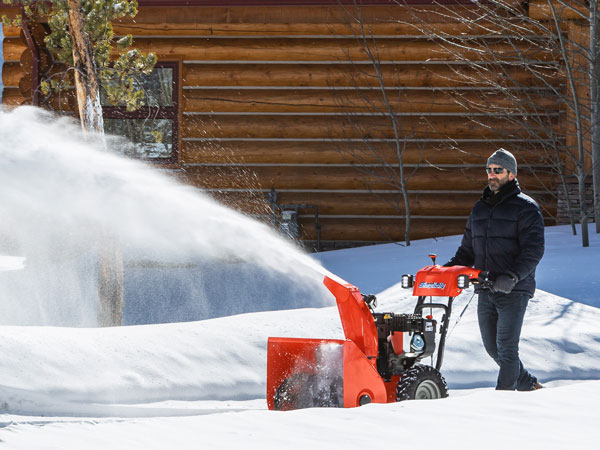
505,283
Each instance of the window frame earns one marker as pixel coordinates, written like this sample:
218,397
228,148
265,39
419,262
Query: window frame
156,112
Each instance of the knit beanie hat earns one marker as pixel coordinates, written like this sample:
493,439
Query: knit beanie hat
504,158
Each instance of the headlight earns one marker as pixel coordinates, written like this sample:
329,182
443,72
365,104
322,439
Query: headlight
463,281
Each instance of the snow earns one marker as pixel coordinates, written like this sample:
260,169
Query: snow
202,384
11,262
555,272
480,419
186,257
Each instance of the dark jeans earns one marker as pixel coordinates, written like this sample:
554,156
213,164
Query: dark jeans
500,321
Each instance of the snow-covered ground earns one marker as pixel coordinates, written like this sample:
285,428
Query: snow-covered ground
202,384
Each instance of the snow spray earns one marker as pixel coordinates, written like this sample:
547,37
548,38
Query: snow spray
186,257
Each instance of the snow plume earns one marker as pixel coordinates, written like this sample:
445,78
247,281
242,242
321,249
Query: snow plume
186,256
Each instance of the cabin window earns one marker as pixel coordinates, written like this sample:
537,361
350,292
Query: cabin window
151,130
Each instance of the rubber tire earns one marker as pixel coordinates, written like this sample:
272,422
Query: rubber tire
421,382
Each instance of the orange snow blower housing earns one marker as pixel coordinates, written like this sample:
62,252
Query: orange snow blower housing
377,360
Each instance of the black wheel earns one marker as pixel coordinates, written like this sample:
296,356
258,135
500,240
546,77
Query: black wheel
302,390
420,383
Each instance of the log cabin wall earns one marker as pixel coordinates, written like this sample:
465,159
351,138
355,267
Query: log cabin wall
288,98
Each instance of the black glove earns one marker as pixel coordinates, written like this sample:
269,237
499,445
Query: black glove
505,283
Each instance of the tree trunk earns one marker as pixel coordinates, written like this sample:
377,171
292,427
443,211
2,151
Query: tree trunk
585,238
596,181
86,79
110,261
595,107
110,283
570,212
577,109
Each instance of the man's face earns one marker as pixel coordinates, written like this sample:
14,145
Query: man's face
497,180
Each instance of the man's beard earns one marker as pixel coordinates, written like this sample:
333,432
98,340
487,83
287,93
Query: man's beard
495,185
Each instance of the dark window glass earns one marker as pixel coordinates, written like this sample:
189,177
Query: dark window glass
148,138
152,130
157,88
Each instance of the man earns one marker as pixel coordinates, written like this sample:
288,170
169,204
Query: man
505,237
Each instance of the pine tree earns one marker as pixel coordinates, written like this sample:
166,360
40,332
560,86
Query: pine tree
82,37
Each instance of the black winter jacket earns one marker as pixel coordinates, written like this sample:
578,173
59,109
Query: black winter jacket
504,234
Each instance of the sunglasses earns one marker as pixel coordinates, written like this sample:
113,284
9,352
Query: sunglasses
496,170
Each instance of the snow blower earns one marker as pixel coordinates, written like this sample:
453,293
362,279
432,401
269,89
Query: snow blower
378,361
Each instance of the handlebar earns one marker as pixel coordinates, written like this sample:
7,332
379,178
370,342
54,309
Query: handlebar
370,300
482,280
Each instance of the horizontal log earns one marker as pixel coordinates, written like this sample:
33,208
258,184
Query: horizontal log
215,20
26,62
373,208
331,203
45,61
11,74
388,230
204,28
321,49
345,75
365,101
374,204
327,14
65,102
11,12
11,31
13,47
374,178
541,10
380,230
12,97
386,27
290,152
37,31
259,14
345,127
287,20
14,75
25,86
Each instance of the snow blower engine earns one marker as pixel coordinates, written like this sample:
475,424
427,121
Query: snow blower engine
378,361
